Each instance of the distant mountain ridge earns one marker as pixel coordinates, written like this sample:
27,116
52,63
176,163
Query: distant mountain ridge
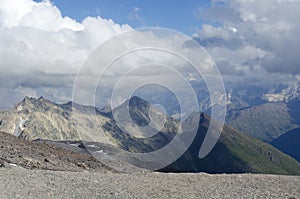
234,153
265,122
262,111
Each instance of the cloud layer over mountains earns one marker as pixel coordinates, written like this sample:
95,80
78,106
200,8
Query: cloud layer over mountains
253,36
41,50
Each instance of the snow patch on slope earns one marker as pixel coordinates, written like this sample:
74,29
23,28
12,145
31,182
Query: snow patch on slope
20,108
20,127
286,95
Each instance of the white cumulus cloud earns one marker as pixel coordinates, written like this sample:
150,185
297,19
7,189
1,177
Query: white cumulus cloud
41,51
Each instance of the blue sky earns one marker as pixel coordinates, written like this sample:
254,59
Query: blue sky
177,15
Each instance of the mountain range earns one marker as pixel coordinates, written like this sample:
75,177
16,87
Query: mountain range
235,152
264,112
265,122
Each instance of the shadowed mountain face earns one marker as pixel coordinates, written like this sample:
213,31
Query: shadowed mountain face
139,111
234,152
289,143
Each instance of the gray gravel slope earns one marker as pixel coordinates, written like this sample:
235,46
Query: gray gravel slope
22,183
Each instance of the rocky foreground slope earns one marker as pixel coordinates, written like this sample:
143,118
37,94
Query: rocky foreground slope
32,155
22,183
44,170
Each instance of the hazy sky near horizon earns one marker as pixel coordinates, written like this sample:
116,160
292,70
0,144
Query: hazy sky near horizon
44,43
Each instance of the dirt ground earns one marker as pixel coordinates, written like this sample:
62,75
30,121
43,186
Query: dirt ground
41,170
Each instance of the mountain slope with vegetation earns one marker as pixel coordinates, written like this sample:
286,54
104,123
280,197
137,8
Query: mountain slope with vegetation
235,152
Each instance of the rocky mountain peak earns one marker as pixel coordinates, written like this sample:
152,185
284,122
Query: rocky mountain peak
33,100
139,103
28,99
